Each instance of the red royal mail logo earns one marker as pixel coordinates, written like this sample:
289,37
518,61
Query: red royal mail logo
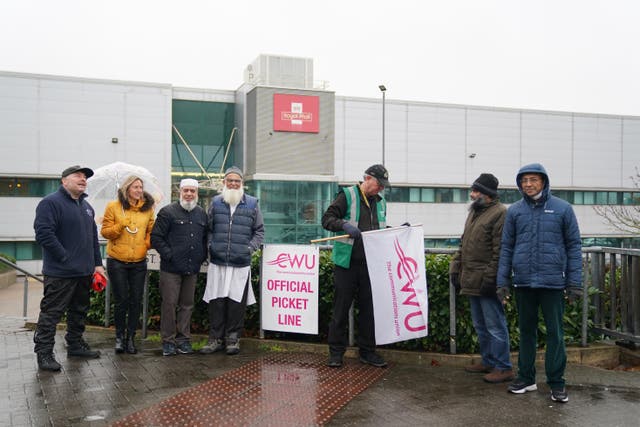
295,113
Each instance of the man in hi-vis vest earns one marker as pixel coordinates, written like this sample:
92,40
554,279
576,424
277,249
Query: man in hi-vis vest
355,209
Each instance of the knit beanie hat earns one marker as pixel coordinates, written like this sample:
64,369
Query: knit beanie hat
486,184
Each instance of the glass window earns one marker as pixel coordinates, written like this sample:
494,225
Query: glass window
578,198
627,198
589,197
564,195
615,198
601,197
444,195
459,195
428,195
414,195
397,194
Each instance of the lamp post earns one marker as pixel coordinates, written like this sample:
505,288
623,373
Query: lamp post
383,89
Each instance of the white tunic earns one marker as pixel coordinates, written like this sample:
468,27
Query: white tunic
224,281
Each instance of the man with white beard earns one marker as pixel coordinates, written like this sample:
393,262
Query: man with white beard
180,237
236,230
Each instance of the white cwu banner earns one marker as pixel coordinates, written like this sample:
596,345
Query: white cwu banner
395,257
289,291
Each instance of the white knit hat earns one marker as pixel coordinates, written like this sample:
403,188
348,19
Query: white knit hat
188,182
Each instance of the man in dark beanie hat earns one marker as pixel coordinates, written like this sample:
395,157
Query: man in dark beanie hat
473,271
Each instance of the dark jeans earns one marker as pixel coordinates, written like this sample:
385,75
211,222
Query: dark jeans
70,295
490,324
226,317
177,293
529,301
127,282
352,283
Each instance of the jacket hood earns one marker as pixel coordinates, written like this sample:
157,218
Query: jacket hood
533,168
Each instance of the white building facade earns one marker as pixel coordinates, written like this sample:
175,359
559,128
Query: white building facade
433,151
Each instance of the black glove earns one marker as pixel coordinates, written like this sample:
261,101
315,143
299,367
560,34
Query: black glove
455,281
488,288
503,293
352,231
574,293
405,224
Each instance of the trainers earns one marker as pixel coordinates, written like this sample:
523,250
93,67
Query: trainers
373,359
212,346
335,361
519,386
47,362
478,368
185,348
168,349
82,349
233,347
559,395
499,376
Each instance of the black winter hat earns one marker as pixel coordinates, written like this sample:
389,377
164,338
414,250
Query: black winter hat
486,184
380,173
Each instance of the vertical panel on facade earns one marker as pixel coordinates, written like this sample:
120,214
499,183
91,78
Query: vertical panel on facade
597,149
547,139
292,153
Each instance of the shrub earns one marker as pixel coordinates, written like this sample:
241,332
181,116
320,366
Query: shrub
439,340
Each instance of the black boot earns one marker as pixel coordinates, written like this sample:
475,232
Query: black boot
81,349
131,347
119,344
46,362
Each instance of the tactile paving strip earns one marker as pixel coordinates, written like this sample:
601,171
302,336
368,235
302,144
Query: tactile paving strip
283,389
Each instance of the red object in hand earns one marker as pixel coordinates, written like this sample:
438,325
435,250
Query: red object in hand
99,282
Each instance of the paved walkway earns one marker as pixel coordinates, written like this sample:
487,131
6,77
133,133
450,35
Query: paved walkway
412,391
103,391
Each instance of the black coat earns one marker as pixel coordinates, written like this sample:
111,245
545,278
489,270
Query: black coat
180,237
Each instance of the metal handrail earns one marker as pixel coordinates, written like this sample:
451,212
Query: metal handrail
627,310
25,297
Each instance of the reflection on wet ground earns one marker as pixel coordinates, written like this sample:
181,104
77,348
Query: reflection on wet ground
277,389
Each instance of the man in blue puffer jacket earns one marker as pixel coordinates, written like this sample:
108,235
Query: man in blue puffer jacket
541,256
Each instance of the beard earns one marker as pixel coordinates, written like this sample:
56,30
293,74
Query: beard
232,197
188,205
478,204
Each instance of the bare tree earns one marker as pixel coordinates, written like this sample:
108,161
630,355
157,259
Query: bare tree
623,218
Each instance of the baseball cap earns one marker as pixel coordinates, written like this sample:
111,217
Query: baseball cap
77,168
380,173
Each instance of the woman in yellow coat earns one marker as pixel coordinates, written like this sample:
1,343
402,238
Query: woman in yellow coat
127,226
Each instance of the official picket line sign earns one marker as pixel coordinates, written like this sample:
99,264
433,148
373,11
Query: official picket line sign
289,288
395,258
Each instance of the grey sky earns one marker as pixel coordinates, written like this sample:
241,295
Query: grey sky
575,55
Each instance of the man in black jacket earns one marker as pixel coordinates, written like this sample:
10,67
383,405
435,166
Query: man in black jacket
67,232
355,209
180,237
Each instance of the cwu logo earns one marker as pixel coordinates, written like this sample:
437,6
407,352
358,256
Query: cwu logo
284,260
406,271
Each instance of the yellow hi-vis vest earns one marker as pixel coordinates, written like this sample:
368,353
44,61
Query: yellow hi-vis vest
342,248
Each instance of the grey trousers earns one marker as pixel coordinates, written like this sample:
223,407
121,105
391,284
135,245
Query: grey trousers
177,293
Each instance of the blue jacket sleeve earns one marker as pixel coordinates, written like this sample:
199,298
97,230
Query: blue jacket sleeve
506,250
45,225
574,248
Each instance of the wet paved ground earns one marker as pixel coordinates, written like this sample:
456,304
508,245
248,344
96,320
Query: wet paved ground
107,390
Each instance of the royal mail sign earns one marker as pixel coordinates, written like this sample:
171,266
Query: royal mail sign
296,113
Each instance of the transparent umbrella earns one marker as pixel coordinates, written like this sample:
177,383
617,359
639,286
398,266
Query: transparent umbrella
103,186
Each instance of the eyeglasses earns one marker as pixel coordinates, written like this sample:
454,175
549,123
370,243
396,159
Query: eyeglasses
530,180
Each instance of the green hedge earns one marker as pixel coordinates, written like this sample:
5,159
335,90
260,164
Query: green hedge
4,267
437,267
